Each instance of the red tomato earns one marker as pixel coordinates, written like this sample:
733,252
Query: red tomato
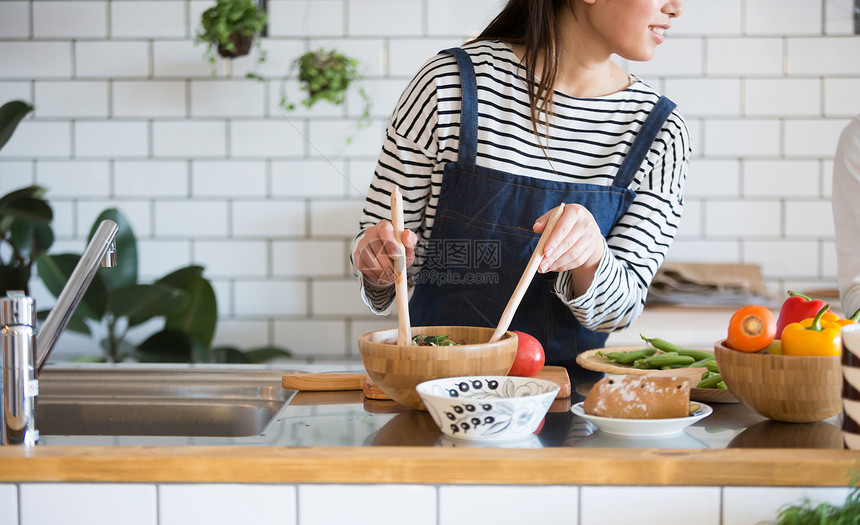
530,357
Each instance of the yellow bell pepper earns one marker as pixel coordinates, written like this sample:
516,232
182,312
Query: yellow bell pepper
830,317
813,337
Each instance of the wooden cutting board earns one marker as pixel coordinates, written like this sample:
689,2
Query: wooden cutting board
556,374
326,382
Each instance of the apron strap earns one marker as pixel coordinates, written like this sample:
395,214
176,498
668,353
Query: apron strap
642,143
469,107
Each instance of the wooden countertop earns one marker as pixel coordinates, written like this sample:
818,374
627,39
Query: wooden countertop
430,465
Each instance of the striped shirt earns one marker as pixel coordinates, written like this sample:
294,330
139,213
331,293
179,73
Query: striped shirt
587,142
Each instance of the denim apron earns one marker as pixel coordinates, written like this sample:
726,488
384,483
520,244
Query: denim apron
482,239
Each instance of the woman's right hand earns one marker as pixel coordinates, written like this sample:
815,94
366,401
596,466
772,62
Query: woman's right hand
374,256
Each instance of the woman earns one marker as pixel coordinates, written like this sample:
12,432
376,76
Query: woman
488,138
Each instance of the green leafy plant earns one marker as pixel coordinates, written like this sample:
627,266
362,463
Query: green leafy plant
823,513
25,216
326,76
229,28
184,299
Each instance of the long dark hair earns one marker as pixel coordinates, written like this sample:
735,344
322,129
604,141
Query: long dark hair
532,24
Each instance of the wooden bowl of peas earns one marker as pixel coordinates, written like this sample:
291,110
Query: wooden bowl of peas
396,369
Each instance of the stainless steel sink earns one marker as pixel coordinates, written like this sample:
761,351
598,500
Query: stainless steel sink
217,401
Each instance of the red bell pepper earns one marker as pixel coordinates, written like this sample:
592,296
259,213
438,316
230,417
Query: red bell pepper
795,309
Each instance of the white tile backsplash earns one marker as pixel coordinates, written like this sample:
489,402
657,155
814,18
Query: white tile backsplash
209,169
753,505
111,138
274,137
742,138
71,99
841,96
226,504
309,178
17,59
191,218
179,58
795,178
823,56
308,258
187,139
312,504
149,98
743,218
773,97
492,504
40,139
812,137
16,175
69,19
88,504
336,297
270,298
402,18
268,218
230,98
8,498
111,59
782,17
228,178
707,18
790,259
233,258
304,18
15,19
600,505
148,19
312,338
417,502
74,179
453,17
812,219
744,56
706,96
150,177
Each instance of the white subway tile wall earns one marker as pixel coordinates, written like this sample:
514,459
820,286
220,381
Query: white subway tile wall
226,504
214,504
87,503
8,504
210,169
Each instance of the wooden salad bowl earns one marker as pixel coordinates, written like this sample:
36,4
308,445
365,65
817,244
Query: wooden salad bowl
792,389
397,369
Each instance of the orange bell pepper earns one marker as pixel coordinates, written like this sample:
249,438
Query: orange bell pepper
813,337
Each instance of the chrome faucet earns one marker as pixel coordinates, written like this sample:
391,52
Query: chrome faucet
24,352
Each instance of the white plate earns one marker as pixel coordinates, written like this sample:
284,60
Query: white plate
643,427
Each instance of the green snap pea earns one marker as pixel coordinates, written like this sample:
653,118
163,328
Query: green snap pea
712,366
668,359
702,362
710,382
629,357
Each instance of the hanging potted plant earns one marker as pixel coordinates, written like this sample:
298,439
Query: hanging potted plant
229,28
326,76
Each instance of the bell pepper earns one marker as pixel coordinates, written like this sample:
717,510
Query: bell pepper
813,337
830,317
795,309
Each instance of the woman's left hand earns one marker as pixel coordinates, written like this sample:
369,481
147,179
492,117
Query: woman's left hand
576,241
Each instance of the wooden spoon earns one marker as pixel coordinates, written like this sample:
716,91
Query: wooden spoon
404,331
526,279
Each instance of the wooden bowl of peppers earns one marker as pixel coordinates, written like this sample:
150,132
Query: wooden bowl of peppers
792,373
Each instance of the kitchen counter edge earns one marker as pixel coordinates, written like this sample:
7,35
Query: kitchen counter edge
433,465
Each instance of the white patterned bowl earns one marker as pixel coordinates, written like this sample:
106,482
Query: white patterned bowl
488,408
